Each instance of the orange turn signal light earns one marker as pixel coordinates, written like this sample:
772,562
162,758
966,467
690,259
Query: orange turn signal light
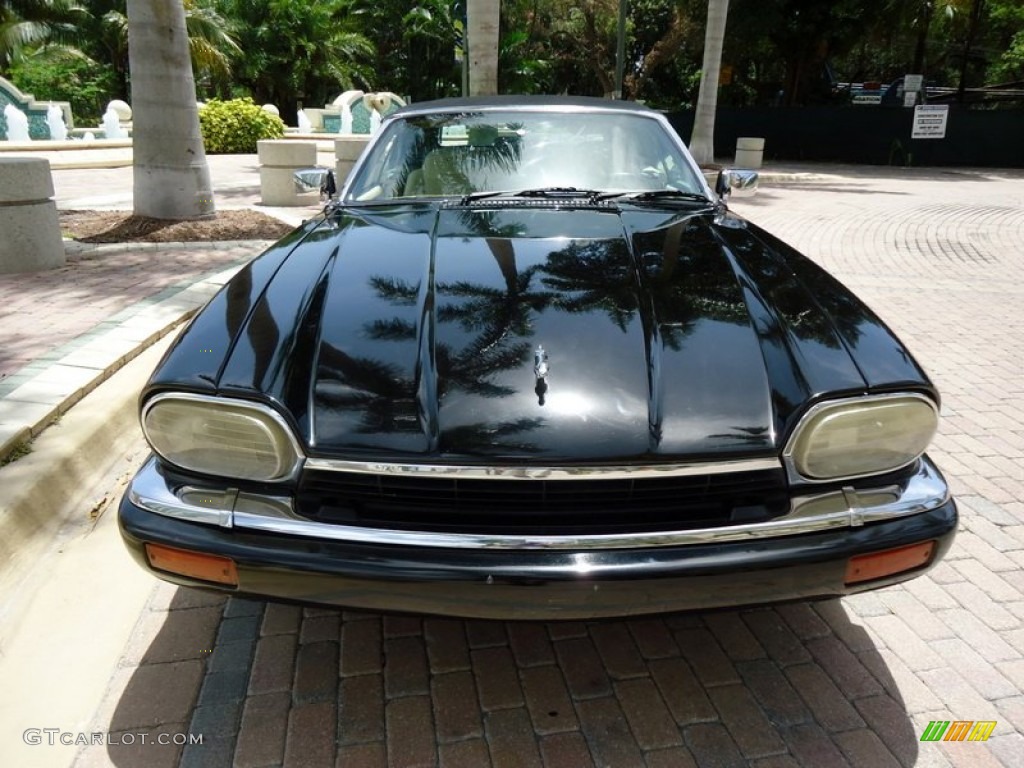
195,565
877,565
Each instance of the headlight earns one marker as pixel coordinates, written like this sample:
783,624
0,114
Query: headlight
217,436
866,436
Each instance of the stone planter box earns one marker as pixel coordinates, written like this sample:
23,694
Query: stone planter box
279,159
31,239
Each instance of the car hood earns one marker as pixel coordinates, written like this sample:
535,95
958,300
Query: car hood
414,332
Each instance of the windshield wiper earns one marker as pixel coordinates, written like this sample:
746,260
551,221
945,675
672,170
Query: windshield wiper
655,194
547,192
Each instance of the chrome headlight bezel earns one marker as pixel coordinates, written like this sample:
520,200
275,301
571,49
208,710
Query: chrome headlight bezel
813,418
287,449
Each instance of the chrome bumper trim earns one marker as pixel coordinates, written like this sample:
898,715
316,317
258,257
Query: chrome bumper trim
845,508
595,472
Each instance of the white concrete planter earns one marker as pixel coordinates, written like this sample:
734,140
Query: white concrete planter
749,152
279,159
31,239
347,150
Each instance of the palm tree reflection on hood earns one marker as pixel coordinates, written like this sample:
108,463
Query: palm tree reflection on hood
679,286
683,285
498,322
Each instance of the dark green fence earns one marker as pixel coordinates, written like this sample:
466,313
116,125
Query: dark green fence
869,135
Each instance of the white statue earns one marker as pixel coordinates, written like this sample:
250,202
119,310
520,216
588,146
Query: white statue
89,136
112,125
305,126
124,112
17,124
55,122
377,104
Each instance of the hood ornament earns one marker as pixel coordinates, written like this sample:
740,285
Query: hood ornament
540,363
540,371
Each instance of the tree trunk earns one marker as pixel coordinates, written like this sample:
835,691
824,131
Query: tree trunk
972,30
702,141
482,19
924,23
597,51
172,178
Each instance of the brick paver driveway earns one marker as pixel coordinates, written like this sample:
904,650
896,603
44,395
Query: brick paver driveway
940,255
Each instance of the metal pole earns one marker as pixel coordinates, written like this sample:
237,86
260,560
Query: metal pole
465,61
620,52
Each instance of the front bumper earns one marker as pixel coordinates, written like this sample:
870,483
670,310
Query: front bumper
803,555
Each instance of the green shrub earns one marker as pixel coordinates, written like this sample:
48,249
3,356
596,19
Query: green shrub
233,127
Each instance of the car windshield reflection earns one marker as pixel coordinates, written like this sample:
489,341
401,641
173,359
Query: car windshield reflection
467,155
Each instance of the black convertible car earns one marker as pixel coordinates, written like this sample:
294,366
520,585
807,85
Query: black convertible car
528,365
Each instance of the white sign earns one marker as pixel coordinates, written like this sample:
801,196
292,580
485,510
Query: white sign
868,97
930,121
913,83
909,98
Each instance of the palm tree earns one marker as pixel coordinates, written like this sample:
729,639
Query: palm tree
482,18
299,51
25,23
103,35
172,178
702,141
210,43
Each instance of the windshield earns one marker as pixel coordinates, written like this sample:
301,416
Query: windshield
456,154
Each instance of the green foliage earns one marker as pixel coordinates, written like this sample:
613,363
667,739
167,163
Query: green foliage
27,24
57,75
520,68
233,127
415,48
1011,65
1008,31
300,50
290,51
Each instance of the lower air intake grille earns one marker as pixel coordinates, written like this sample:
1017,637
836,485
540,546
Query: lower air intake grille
550,506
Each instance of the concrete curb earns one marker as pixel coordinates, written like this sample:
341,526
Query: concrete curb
42,489
75,158
82,165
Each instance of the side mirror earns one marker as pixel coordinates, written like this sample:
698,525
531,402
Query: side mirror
735,182
316,180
